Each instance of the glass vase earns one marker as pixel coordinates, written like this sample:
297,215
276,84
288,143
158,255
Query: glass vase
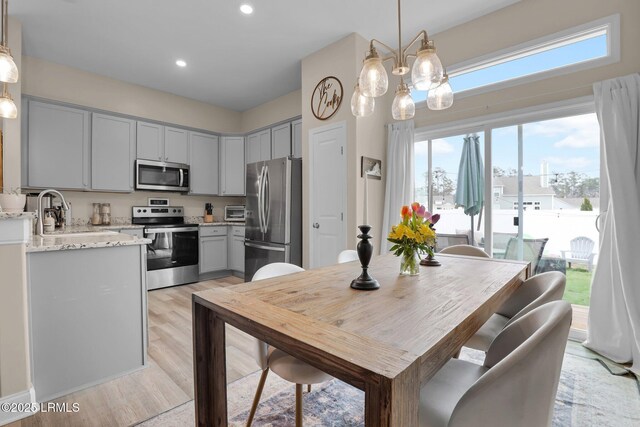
409,263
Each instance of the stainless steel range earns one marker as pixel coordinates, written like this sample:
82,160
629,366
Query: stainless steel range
172,255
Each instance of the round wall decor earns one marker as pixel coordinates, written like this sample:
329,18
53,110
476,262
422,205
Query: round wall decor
326,98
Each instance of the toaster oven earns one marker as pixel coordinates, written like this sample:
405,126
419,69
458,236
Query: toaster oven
234,213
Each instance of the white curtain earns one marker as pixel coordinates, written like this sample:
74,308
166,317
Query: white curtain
399,190
614,315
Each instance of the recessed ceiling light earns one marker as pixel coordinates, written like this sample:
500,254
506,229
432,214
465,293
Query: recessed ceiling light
247,9
181,63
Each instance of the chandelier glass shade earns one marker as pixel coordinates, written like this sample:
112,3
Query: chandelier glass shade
361,106
427,73
8,108
440,97
8,68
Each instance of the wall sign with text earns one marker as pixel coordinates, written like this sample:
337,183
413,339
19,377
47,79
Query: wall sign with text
326,98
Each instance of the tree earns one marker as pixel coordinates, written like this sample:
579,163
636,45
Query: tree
442,184
586,205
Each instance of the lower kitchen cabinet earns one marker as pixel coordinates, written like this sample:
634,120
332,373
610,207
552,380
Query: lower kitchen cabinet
236,249
213,249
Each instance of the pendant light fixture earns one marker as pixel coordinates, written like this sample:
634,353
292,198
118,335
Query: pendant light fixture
427,73
8,108
361,105
8,68
440,97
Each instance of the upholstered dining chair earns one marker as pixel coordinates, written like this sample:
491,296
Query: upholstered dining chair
532,293
517,384
467,250
285,366
347,255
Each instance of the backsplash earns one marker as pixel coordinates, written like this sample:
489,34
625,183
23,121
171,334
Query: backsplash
121,203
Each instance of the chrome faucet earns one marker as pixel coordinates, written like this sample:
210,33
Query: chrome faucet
40,223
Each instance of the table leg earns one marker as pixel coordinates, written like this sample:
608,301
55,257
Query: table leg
393,402
210,373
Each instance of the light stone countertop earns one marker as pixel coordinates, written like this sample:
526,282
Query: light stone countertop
82,241
219,223
93,228
16,215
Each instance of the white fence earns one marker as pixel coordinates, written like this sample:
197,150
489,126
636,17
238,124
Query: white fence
560,226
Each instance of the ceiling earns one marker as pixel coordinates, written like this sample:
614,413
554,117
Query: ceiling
234,61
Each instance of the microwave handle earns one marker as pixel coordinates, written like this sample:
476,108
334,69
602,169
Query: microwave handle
181,177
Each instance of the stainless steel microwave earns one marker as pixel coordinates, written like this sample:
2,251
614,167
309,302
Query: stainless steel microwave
162,176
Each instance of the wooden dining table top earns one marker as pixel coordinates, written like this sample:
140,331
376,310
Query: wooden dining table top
358,335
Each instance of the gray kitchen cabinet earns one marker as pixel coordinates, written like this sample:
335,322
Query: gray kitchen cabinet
296,138
150,141
236,248
281,141
204,164
57,147
213,253
176,145
87,317
162,143
232,166
259,146
113,152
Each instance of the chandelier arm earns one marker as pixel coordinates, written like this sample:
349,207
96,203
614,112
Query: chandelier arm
4,23
421,35
389,49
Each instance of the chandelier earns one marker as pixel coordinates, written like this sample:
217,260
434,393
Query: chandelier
427,73
8,69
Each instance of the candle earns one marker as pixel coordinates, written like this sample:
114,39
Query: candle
365,219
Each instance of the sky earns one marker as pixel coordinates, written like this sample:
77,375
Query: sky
567,144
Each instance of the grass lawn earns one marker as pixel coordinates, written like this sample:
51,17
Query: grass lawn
578,290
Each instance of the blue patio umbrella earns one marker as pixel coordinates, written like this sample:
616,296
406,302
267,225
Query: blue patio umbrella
470,185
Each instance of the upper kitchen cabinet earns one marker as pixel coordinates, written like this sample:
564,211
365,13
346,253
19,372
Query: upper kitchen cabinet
57,147
113,153
281,141
296,138
232,166
259,146
204,164
176,145
162,143
150,141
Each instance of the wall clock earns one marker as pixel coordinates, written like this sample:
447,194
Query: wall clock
326,98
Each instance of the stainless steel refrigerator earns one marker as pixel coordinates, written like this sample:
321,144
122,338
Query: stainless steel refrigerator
273,230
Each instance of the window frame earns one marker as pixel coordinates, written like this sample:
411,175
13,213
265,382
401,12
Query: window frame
610,25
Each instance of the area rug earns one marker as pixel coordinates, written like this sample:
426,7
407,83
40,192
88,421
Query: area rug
588,395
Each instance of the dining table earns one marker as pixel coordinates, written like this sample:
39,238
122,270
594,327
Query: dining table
386,342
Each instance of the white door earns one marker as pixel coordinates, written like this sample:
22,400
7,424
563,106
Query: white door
327,147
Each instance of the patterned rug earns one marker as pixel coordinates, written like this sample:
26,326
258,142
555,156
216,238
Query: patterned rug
592,392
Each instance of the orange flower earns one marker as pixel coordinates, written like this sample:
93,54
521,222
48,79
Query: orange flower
415,206
405,212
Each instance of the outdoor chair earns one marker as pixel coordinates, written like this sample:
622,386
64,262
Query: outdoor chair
532,250
581,252
516,385
446,240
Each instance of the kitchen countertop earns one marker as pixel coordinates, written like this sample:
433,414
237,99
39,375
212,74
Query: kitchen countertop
87,228
82,241
16,215
208,224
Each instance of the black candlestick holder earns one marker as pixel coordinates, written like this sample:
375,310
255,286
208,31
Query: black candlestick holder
430,260
365,282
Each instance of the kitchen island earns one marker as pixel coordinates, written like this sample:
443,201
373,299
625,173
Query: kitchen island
87,309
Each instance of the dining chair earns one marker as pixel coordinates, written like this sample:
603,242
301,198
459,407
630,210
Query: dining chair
347,255
285,366
516,385
467,250
532,293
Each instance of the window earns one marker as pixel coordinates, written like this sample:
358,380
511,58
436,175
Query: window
587,46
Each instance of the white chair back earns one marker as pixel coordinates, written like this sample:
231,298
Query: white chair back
581,247
466,250
525,361
532,293
260,352
347,255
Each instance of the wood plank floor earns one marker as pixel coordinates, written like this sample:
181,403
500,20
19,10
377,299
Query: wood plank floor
168,379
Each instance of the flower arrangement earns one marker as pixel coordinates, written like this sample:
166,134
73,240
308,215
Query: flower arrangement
414,234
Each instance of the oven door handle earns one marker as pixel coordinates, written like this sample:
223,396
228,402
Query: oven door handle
170,230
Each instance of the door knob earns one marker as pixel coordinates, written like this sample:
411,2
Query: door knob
316,225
